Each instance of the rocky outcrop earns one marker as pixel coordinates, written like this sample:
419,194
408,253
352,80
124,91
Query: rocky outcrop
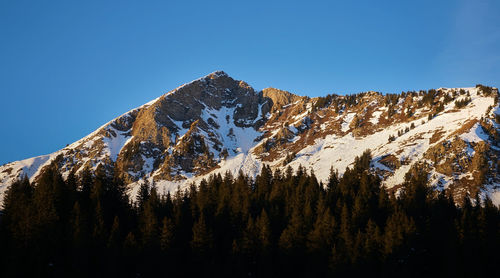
280,98
216,124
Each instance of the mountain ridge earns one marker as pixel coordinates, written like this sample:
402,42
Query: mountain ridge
216,124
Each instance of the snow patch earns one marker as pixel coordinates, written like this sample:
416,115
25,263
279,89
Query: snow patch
475,134
114,144
347,121
375,117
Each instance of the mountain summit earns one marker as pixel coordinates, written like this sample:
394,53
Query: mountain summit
217,124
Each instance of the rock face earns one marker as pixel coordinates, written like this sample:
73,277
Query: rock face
217,124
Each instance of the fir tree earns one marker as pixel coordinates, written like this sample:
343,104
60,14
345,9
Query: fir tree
167,234
202,237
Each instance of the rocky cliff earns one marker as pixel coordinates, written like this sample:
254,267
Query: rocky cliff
217,124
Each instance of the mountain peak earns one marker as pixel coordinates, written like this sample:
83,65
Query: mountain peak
217,74
216,124
215,85
214,76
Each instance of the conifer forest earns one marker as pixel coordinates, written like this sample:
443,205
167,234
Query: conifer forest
280,224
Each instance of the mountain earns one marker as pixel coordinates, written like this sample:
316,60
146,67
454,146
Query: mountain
216,124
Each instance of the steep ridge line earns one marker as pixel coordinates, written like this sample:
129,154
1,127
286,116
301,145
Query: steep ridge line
216,124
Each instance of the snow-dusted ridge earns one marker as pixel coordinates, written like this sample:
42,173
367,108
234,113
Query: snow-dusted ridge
244,137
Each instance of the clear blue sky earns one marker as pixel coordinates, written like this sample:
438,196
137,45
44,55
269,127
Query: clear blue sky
67,67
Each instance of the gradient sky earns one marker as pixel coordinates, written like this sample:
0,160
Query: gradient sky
67,67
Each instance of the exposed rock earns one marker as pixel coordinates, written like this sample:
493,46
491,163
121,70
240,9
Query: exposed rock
280,98
216,124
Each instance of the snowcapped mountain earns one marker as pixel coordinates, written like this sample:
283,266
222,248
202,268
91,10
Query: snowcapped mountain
217,124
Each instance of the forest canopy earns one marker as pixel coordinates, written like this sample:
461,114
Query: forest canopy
278,224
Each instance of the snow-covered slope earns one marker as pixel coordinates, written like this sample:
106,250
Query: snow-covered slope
216,124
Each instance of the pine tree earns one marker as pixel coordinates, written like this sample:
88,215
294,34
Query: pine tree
130,246
292,239
263,183
249,239
48,204
346,228
321,238
398,230
99,226
333,179
263,227
143,194
79,227
372,241
167,234
357,253
149,226
202,237
18,213
114,235
86,182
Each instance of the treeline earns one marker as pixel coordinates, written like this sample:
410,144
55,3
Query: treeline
280,224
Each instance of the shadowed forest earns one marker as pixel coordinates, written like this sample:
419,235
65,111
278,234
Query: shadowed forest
280,224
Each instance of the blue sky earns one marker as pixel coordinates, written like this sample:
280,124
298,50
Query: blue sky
67,67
